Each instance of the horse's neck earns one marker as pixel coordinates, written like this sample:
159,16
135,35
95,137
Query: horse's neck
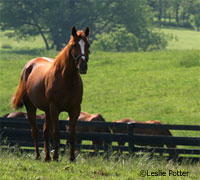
64,63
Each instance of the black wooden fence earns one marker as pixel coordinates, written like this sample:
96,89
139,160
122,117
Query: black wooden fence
15,132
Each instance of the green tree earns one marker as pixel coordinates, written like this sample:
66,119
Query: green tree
118,40
184,12
24,17
196,14
53,19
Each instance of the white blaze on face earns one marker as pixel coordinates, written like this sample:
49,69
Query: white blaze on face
82,45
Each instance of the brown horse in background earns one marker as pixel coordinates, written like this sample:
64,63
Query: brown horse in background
22,115
141,131
86,117
55,85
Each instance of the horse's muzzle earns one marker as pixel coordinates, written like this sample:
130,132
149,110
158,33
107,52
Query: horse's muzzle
83,67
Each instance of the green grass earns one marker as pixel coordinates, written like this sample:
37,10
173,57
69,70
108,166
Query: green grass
23,167
27,44
184,39
142,85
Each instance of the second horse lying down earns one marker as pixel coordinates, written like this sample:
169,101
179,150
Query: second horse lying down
141,131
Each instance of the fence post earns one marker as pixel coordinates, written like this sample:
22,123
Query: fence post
107,145
131,134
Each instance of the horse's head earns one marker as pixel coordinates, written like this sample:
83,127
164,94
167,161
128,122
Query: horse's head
80,49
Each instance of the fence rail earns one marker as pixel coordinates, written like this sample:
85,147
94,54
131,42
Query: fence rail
16,131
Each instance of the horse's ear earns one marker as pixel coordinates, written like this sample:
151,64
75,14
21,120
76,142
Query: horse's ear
73,31
87,31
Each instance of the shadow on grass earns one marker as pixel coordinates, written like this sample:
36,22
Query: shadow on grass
35,52
190,59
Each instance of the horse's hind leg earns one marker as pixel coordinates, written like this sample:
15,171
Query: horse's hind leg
46,135
56,134
31,112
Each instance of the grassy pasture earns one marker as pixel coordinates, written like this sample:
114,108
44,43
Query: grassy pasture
184,39
22,167
10,43
162,85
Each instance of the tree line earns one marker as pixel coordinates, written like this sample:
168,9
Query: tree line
184,13
117,25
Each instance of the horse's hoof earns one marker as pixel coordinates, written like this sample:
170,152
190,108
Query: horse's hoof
55,157
37,157
47,158
72,159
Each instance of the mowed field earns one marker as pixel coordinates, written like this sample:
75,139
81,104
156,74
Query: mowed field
161,85
184,39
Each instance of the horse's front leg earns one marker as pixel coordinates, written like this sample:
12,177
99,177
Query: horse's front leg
46,135
56,134
73,115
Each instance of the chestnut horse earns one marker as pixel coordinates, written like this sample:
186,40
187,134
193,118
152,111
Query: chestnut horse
54,85
22,115
86,117
141,131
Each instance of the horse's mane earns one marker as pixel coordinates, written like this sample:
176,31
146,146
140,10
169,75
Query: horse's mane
62,59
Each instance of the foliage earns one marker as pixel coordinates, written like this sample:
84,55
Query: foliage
121,40
176,13
188,25
33,18
153,41
118,40
197,21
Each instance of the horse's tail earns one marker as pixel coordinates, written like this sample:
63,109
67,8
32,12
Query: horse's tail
17,99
